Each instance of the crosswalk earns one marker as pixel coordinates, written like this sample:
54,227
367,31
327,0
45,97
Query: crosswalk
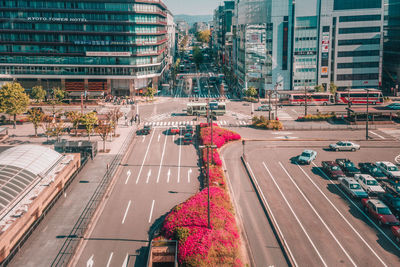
203,96
193,123
393,132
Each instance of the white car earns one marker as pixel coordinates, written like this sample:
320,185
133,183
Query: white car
389,169
369,184
344,146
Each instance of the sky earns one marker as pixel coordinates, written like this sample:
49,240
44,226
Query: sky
192,7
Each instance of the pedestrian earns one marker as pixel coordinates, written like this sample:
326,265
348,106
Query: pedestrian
132,121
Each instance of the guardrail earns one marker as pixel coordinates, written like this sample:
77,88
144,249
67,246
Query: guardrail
80,227
275,229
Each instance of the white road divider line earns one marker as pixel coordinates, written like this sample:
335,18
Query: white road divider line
144,159
128,175
148,176
144,138
295,216
151,210
179,160
380,136
361,211
125,263
316,213
189,172
159,136
168,175
341,215
90,261
126,212
162,158
109,259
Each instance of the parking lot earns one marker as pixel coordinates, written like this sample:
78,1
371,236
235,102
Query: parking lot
320,223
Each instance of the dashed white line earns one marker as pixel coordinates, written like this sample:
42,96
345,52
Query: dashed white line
179,160
151,210
125,263
109,259
148,176
380,136
144,159
126,212
295,216
162,158
316,213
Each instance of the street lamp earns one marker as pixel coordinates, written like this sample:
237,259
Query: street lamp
276,99
366,125
305,99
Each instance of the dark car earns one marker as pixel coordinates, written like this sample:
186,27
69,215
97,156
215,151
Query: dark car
372,169
189,129
144,131
348,167
332,169
391,186
392,202
187,139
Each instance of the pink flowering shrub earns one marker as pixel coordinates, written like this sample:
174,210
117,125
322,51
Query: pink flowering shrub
217,246
220,136
213,158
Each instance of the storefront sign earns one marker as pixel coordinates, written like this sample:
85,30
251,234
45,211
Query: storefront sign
56,19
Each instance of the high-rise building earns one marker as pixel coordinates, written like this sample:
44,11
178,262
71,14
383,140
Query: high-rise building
88,46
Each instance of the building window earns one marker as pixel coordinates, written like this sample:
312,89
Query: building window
359,18
356,4
359,41
358,65
359,30
358,53
357,77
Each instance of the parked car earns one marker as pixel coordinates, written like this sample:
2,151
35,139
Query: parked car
378,210
396,232
348,167
352,187
174,130
187,139
307,157
369,184
393,106
391,186
264,108
392,202
189,129
372,169
144,131
344,146
332,169
389,169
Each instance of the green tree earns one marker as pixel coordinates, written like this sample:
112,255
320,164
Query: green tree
38,93
57,128
318,88
114,116
332,88
89,120
203,36
251,92
13,100
197,55
150,92
35,116
47,122
75,118
58,94
104,128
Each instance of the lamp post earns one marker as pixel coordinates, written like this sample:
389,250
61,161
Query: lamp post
305,99
366,125
276,99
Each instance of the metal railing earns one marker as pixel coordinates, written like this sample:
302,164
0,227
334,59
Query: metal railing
80,227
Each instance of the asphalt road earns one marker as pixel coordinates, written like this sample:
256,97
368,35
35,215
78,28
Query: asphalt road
158,174
321,225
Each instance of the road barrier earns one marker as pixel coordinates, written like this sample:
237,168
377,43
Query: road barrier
275,229
73,239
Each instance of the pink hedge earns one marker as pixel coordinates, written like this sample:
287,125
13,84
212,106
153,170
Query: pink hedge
220,136
200,245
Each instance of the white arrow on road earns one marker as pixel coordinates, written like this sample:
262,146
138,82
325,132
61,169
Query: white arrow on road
148,176
189,172
128,173
90,262
169,174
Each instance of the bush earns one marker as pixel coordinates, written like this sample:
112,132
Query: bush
250,99
317,117
262,123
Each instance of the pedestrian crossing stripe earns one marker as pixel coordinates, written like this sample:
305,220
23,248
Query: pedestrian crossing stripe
178,123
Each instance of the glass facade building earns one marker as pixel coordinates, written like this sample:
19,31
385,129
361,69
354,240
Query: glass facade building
113,46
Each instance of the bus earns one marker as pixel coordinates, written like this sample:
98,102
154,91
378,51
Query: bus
200,109
312,99
359,97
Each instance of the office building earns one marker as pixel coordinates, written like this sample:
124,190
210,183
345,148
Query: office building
89,46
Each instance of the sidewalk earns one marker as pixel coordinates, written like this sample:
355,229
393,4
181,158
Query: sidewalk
44,244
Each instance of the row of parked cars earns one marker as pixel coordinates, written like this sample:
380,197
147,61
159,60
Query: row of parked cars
376,184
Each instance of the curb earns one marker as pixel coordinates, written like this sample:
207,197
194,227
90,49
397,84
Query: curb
281,241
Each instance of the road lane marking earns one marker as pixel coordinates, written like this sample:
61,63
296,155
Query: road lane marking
109,259
189,172
148,176
125,264
316,213
144,159
397,159
159,136
270,211
295,216
144,138
162,158
380,136
169,174
151,210
90,261
360,210
179,162
341,215
126,211
128,175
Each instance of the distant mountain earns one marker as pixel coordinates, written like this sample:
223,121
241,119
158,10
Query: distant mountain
190,19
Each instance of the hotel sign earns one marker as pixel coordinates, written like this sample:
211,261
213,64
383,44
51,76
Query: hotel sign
108,54
56,19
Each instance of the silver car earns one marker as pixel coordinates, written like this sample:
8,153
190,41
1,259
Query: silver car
344,146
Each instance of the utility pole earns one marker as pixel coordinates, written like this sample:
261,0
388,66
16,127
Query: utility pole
276,100
269,104
366,125
305,99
